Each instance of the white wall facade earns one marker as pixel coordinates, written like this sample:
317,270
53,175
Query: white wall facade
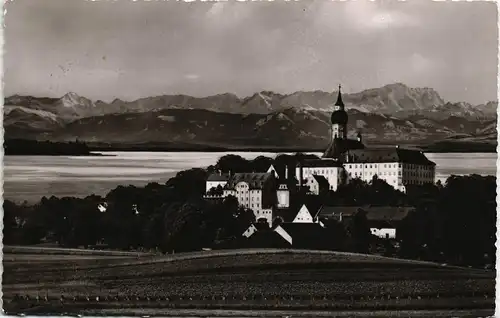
331,174
339,131
388,233
313,185
390,172
264,214
303,216
283,197
396,174
250,199
214,184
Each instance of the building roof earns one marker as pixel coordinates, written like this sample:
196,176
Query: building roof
305,234
255,180
373,213
288,214
340,102
280,171
300,235
396,154
318,163
266,238
339,146
313,205
322,182
339,117
218,177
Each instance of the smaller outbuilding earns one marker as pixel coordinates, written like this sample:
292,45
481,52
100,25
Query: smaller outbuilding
382,220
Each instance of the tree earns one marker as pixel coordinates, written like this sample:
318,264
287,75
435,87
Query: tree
467,208
261,164
360,232
185,228
233,163
188,184
217,191
336,235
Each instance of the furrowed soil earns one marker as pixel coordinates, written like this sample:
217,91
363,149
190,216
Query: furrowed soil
225,282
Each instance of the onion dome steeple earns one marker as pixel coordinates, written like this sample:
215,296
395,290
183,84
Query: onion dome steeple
339,102
339,116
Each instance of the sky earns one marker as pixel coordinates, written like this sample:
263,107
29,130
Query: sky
132,49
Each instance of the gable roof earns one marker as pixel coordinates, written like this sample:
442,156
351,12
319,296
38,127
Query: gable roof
250,231
267,238
255,180
313,205
322,182
280,172
218,177
284,234
338,146
287,234
286,214
305,234
303,213
376,155
319,163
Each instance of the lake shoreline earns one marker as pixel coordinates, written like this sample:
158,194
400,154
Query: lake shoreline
92,154
29,178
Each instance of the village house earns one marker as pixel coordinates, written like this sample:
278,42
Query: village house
382,220
255,191
216,180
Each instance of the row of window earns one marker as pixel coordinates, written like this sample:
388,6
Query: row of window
265,212
248,205
389,165
416,182
371,174
372,165
246,193
414,166
422,174
318,171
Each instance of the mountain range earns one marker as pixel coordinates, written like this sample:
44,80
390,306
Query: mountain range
390,114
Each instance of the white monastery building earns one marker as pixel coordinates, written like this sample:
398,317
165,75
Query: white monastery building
255,191
344,160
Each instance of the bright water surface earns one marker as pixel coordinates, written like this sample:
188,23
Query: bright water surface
31,177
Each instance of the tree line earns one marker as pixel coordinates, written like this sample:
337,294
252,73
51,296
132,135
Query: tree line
20,147
454,222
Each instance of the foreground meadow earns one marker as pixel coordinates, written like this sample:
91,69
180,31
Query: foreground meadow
237,280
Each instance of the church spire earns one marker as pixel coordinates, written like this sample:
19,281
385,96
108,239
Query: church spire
339,99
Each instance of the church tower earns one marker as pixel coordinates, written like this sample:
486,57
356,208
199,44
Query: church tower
339,119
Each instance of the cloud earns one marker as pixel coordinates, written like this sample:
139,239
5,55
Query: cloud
164,47
192,77
420,64
372,15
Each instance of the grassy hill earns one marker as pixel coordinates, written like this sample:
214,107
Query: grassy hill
260,279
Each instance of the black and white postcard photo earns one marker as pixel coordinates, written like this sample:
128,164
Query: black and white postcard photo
306,158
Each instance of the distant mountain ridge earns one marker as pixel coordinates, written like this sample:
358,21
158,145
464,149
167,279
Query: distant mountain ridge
290,127
392,113
393,99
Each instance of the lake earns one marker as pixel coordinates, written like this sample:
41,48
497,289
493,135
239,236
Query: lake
32,177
